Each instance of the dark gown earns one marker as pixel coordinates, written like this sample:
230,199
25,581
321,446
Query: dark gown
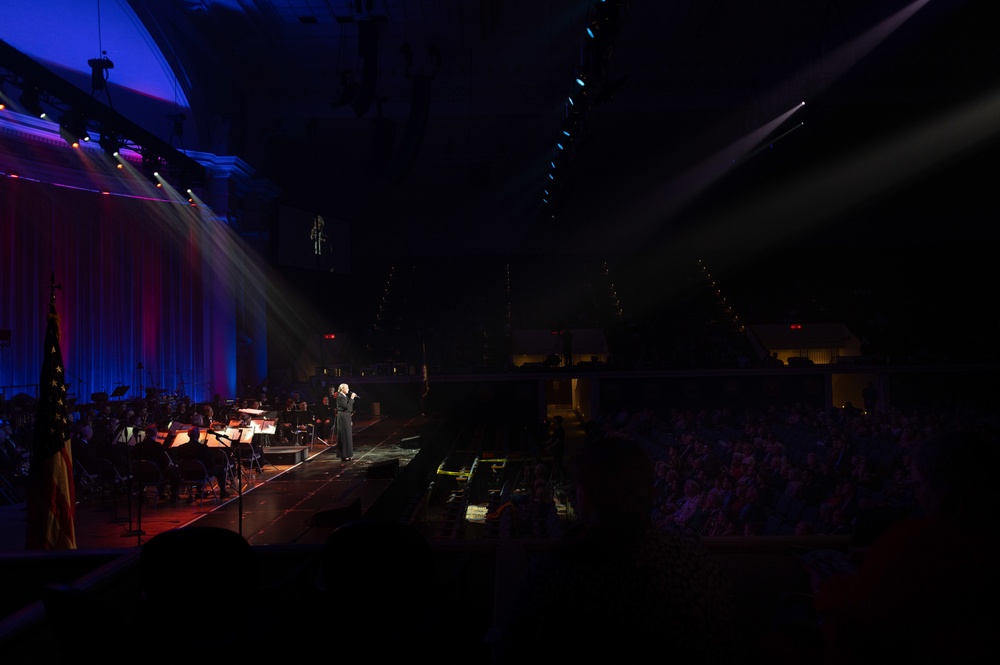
343,426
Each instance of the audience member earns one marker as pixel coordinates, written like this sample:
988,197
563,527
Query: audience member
175,581
709,514
616,586
804,528
689,505
926,590
869,396
382,546
556,447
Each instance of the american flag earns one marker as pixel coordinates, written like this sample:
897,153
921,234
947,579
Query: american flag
51,494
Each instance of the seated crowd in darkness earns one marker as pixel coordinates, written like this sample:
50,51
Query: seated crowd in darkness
778,471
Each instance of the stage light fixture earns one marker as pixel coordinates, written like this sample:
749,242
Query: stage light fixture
99,71
73,128
176,127
30,102
571,124
151,166
110,143
68,137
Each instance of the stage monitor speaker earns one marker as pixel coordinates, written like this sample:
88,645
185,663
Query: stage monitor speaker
386,469
410,442
98,397
334,517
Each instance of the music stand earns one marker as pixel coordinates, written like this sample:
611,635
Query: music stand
119,392
260,432
125,434
220,438
128,437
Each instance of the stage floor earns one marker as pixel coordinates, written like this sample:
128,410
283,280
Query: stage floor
279,506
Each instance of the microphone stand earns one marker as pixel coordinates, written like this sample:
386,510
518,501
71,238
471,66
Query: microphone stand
239,473
137,532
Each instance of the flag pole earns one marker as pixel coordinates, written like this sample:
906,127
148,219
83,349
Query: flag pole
51,496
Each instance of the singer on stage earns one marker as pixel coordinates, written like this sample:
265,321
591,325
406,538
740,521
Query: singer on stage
343,425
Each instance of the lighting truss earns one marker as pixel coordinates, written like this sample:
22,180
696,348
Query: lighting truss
42,88
602,28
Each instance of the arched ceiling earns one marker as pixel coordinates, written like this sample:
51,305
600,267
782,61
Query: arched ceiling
454,143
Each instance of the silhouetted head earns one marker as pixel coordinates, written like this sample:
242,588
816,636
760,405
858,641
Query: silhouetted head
953,473
614,481
380,546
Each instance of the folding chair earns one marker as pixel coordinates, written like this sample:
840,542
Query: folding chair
195,477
